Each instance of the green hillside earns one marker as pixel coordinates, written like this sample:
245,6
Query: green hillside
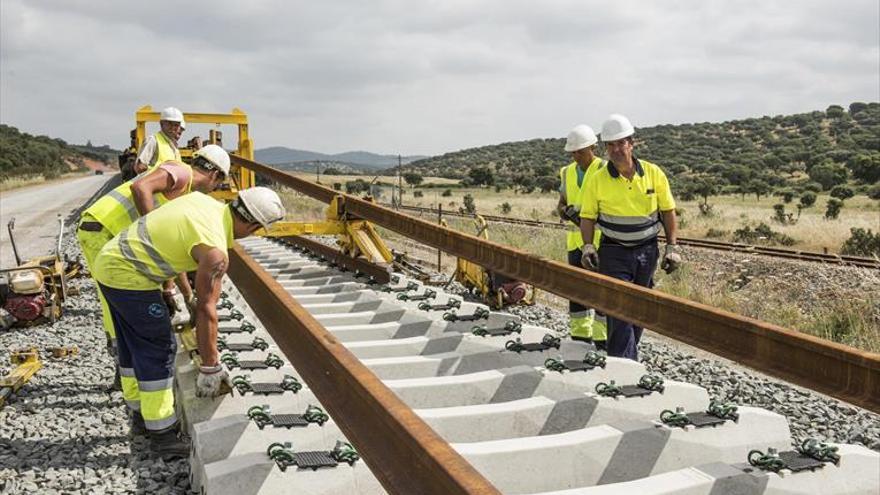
828,147
24,154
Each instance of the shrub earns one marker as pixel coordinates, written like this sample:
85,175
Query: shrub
715,233
780,216
874,192
808,199
862,243
469,205
446,193
762,234
832,209
417,194
337,186
842,192
505,208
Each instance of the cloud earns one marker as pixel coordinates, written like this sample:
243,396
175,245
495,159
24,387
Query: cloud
432,76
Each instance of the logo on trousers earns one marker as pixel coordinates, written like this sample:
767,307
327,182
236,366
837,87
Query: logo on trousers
156,310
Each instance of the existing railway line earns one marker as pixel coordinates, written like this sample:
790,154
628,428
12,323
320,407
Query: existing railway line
792,254
435,405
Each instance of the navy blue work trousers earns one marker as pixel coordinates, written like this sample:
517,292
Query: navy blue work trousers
633,264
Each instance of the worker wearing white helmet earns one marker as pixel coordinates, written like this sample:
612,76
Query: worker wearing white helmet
628,201
190,233
584,325
162,146
116,210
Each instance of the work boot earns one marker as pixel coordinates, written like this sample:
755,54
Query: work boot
168,444
136,424
586,340
116,385
601,345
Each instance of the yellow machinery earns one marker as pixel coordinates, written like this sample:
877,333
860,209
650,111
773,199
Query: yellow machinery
240,178
27,363
496,290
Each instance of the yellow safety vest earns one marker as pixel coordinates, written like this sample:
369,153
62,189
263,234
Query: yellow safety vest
165,151
116,210
159,245
573,192
627,211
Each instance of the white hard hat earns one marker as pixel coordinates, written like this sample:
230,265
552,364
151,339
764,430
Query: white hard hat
171,114
616,127
580,137
262,204
216,155
182,125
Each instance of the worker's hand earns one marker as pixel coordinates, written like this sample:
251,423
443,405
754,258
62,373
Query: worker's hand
213,381
168,297
590,258
191,308
671,259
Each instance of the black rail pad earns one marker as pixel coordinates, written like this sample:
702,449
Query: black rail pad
703,419
635,391
313,460
795,461
575,365
288,420
535,347
252,365
266,388
498,332
231,330
240,347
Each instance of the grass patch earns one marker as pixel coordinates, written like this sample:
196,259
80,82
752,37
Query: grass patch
20,181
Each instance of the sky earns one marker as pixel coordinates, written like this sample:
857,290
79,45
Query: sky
427,77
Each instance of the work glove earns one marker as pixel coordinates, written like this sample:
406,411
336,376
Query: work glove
572,214
168,297
590,258
671,259
213,381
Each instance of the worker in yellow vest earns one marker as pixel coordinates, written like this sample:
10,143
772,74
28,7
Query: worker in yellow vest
190,233
162,146
584,324
123,205
628,200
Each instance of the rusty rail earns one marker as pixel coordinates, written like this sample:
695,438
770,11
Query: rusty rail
834,369
404,453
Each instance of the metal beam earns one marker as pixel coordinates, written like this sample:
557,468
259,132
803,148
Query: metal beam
834,369
404,453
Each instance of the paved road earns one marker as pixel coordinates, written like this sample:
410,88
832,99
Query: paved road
36,211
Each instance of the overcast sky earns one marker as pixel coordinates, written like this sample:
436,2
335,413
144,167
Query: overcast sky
417,77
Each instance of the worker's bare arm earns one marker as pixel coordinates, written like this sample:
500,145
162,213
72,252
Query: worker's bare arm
212,266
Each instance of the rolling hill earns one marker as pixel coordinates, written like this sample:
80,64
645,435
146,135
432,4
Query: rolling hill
350,160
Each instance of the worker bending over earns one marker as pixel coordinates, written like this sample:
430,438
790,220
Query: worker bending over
628,199
190,233
584,324
117,209
161,146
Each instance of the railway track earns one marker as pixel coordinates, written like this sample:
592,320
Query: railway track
439,395
419,392
839,259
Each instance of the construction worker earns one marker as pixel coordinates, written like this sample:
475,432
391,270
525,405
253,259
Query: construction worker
628,201
161,146
117,209
584,324
190,233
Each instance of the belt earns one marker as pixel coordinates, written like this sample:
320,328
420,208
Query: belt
91,226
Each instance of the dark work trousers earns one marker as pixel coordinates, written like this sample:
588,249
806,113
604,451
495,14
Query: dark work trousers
636,265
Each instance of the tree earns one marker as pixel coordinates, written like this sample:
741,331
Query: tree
787,195
481,176
469,205
332,171
835,111
758,187
874,192
865,167
413,178
842,192
828,174
547,183
832,209
856,107
337,186
807,200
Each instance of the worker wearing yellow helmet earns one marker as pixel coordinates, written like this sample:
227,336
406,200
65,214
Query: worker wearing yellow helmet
162,146
190,233
628,201
116,210
584,324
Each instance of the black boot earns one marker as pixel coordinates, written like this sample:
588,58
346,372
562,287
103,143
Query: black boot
136,424
601,345
585,340
116,386
168,444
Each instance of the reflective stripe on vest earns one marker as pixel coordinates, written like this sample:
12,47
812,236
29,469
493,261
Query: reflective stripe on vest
165,151
630,230
573,192
143,237
116,209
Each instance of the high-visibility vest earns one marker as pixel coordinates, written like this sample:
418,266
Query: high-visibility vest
116,210
568,176
627,211
159,245
165,151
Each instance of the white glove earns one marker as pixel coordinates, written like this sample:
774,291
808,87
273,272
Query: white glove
181,316
211,381
590,258
671,259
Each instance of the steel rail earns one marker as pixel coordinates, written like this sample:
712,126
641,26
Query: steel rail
404,453
834,369
794,254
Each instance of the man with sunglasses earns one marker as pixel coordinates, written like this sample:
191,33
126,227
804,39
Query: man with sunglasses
190,233
116,210
628,200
